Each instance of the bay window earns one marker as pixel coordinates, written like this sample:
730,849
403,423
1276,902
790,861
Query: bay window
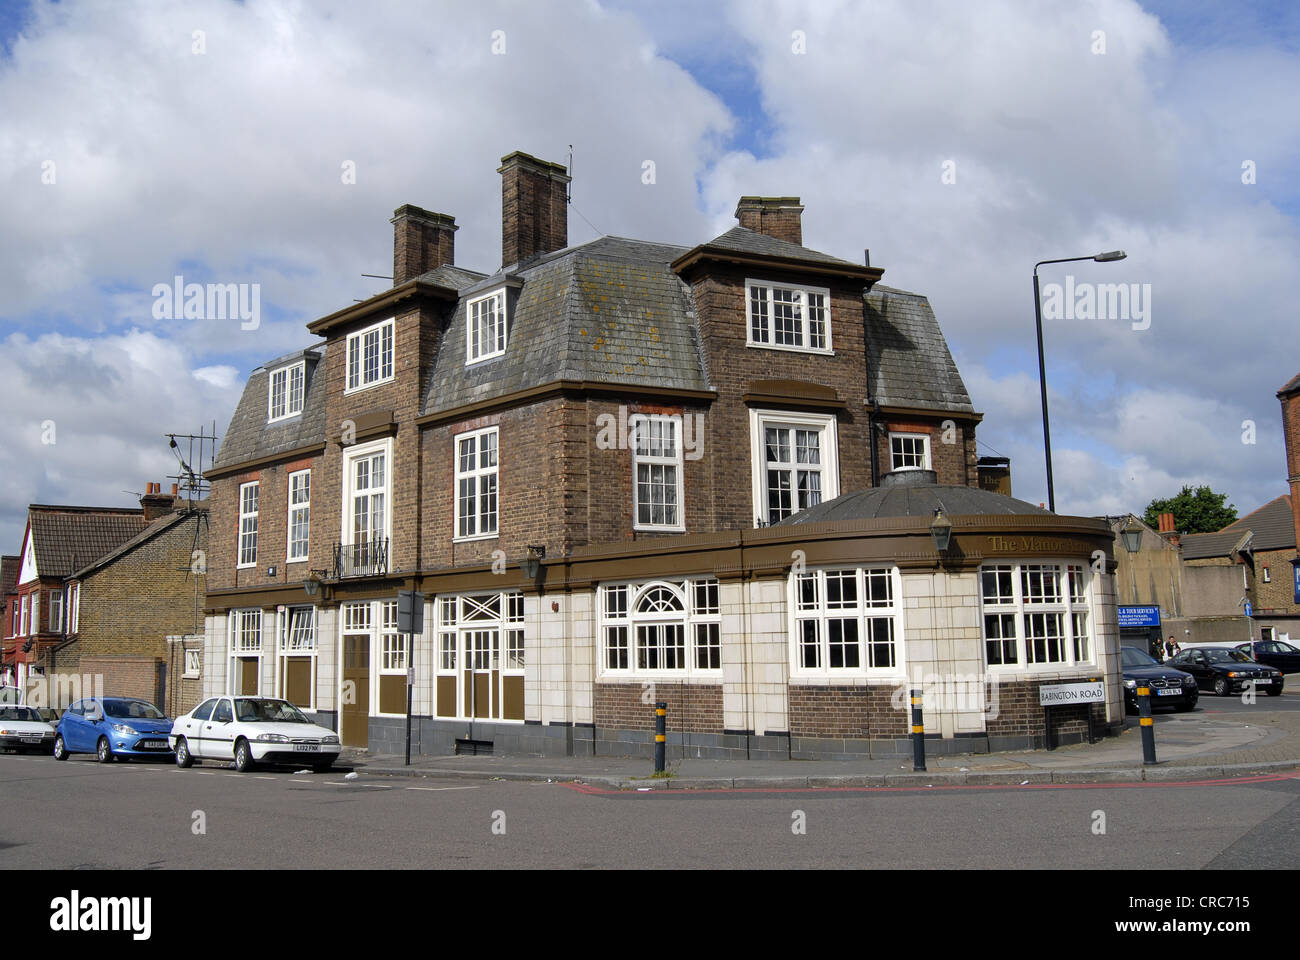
846,622
1036,615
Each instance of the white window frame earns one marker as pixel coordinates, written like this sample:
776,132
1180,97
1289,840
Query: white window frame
74,606
759,420
697,619
350,456
292,388
477,474
26,606
303,507
56,610
822,610
497,328
925,450
193,664
1267,577
242,622
453,628
355,379
36,611
642,440
803,297
247,530
1068,607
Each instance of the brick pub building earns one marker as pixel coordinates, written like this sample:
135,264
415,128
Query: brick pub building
627,471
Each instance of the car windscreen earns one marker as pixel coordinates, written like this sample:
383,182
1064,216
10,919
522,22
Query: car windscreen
12,713
1136,658
268,711
1227,656
132,710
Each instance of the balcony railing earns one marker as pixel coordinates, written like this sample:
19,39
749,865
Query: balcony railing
366,559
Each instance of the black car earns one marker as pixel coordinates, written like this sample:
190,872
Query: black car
1169,687
1226,670
1275,653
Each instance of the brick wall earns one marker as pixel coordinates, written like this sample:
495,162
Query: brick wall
1019,713
1279,592
854,712
129,676
1291,437
692,707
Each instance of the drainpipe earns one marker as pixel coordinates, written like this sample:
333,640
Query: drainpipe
875,453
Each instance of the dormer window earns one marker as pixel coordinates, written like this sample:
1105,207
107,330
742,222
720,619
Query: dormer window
788,318
485,327
370,356
287,389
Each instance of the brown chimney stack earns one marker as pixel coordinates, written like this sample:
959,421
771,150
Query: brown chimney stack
155,503
534,207
422,241
1166,523
780,217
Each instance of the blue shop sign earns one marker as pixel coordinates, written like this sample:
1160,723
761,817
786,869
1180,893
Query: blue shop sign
1140,616
1296,571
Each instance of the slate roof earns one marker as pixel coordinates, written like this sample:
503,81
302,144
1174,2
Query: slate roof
1291,387
881,503
249,436
744,240
608,311
67,538
1272,526
454,278
160,525
908,361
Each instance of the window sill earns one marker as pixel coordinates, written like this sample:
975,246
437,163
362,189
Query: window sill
639,528
485,357
475,539
287,416
348,391
246,566
828,352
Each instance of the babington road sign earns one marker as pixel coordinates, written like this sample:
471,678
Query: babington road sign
1062,694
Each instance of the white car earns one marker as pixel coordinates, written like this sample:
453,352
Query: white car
252,730
21,728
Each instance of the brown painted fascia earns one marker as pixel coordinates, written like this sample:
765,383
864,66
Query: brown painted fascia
706,253
930,412
297,453
380,302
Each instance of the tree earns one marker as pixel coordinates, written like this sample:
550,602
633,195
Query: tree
1195,511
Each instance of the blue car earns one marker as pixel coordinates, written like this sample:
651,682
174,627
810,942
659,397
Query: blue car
112,727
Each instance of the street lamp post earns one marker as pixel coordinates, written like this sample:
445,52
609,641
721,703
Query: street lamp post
1042,373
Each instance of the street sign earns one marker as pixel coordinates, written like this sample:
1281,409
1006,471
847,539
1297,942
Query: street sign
1249,609
1147,616
1061,694
410,612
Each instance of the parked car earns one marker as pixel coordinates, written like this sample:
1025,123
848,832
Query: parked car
1169,687
1226,670
23,728
1275,653
112,727
252,730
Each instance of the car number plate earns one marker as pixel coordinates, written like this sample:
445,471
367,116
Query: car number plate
31,739
1168,693
306,748
153,744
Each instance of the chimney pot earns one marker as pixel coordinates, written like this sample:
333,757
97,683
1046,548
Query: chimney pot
422,241
779,217
534,207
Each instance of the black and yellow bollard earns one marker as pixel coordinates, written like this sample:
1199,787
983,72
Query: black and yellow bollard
661,734
1147,723
918,734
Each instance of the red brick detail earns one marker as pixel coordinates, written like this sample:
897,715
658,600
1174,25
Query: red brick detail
692,707
848,712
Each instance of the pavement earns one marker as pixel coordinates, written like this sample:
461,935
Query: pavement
1193,746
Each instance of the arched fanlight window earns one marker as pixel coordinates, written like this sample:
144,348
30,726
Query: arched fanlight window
660,598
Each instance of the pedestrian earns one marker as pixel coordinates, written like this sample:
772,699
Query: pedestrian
1171,648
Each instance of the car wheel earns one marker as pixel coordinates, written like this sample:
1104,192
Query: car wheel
60,748
243,756
1275,691
104,752
183,756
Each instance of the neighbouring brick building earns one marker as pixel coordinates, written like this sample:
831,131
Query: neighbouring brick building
590,460
1200,581
114,584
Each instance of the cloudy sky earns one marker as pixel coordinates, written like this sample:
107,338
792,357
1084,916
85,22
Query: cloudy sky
960,142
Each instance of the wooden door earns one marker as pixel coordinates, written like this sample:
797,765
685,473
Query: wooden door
354,712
